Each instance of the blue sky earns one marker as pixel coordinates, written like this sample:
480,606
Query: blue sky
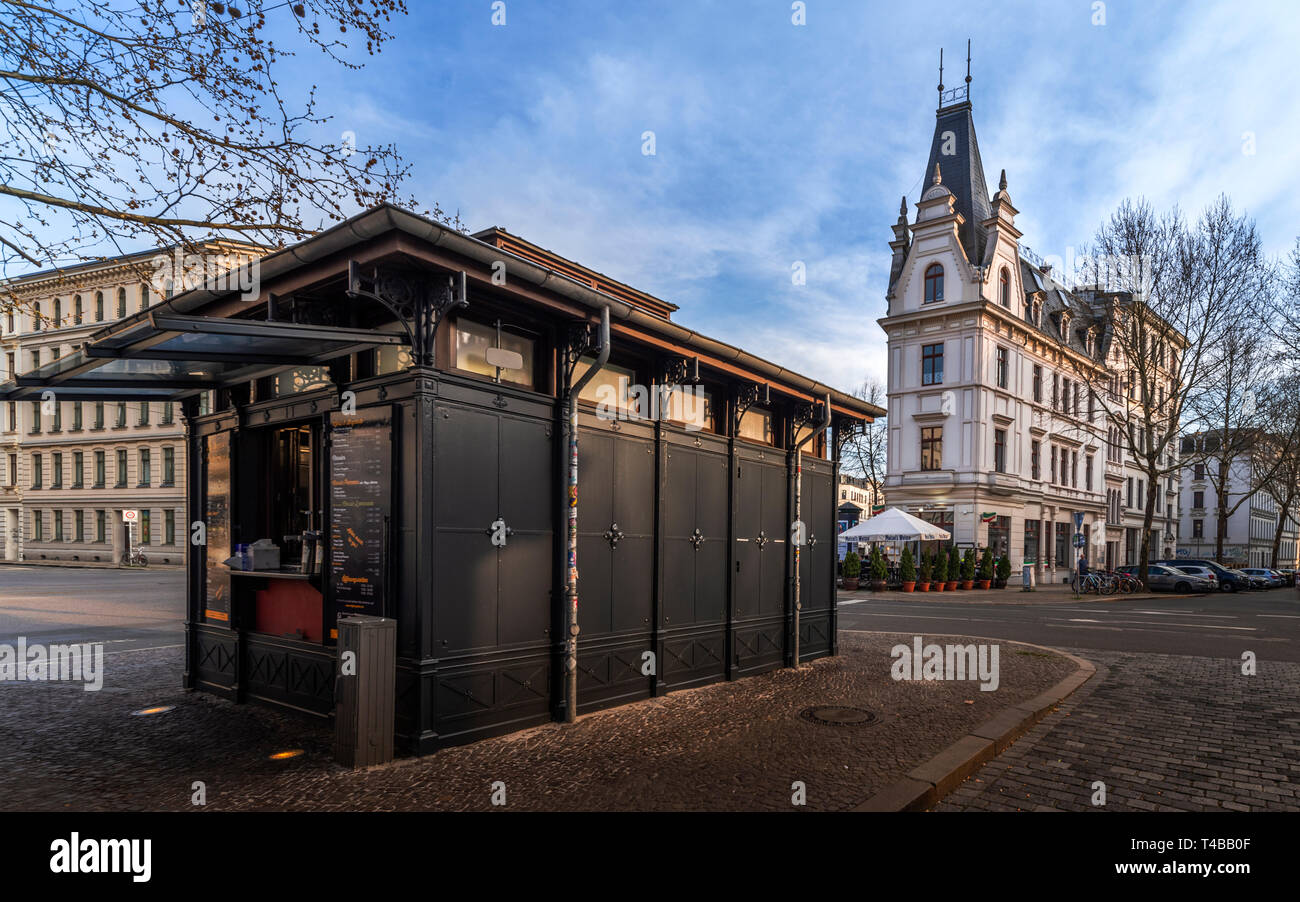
778,143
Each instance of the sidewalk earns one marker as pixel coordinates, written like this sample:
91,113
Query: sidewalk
738,746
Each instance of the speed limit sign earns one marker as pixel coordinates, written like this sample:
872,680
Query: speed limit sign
130,516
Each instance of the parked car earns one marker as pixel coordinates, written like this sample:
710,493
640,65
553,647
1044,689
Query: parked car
1202,572
1172,579
1288,576
1272,580
1228,580
1252,581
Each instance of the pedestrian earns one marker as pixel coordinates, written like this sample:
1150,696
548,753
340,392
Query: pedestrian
1083,565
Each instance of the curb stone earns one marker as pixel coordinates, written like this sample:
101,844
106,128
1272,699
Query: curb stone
925,785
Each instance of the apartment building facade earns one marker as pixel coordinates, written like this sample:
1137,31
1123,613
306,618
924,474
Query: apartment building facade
993,434
1252,527
70,467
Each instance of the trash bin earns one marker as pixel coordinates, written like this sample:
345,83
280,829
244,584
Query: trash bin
1027,579
364,698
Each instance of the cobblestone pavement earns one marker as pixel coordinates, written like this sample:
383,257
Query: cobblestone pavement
729,746
1163,733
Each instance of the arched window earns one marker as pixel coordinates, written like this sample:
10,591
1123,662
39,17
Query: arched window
99,306
121,303
76,310
1004,288
58,312
36,317
933,283
144,294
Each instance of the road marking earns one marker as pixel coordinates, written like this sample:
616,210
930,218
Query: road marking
1186,614
127,651
1281,616
1203,626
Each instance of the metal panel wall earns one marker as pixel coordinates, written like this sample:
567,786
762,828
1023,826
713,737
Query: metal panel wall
762,522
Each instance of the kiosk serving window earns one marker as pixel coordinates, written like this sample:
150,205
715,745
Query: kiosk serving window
497,351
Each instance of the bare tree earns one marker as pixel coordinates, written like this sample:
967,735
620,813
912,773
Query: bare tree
864,454
1279,450
1162,292
144,121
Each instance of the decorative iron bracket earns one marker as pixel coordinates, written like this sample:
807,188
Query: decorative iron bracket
746,398
761,539
578,342
846,431
417,305
696,538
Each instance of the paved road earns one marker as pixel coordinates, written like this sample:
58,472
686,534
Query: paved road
125,609
1218,625
1170,721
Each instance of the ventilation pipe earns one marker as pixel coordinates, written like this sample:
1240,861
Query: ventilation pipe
571,573
801,530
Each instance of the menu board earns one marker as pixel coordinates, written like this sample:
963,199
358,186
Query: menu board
361,456
216,518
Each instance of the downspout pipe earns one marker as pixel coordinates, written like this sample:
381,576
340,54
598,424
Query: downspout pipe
800,531
571,574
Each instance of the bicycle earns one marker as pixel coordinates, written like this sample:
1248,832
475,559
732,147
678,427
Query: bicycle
134,558
1102,584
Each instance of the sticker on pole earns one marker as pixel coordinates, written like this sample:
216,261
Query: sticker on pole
130,516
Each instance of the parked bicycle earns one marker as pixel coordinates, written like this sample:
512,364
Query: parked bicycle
1094,581
134,558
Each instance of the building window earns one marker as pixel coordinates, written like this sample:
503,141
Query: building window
496,351
121,468
38,471
1038,384
99,415
931,447
168,413
933,283
13,469
932,364
36,418
76,416
121,303
169,527
79,525
146,474
1087,473
169,466
1000,450
1003,367
121,415
1198,529
58,417
1004,288
36,317
144,414
1198,500
76,311
99,469
56,470
1034,459
144,293
78,469
101,526
756,425
99,306
146,534
1198,472
38,526
58,314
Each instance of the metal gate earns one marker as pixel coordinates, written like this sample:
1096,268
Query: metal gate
760,547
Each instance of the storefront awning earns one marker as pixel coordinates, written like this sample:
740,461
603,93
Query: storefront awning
170,356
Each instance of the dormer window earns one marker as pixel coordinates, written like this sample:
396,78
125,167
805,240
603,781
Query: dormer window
1090,342
1004,288
933,283
1065,327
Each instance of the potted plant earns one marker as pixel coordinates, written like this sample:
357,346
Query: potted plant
878,571
852,569
954,568
1003,572
940,570
986,568
968,569
907,570
923,576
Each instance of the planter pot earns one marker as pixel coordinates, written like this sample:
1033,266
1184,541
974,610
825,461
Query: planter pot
968,583
878,585
950,586
999,583
850,583
923,587
909,587
984,583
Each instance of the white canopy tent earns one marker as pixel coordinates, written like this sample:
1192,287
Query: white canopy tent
894,525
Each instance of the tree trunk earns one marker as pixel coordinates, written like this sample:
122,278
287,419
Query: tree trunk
1148,515
1282,514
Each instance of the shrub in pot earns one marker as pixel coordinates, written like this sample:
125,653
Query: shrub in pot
907,570
986,568
954,568
1003,572
940,570
852,569
878,570
924,572
968,569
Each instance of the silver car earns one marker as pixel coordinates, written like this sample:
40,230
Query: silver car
1273,580
1173,579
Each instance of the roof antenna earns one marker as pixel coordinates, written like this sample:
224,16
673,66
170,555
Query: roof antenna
968,68
941,78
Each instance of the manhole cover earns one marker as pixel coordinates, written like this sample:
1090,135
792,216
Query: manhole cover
838,716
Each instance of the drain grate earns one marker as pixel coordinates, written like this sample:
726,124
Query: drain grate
839,716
